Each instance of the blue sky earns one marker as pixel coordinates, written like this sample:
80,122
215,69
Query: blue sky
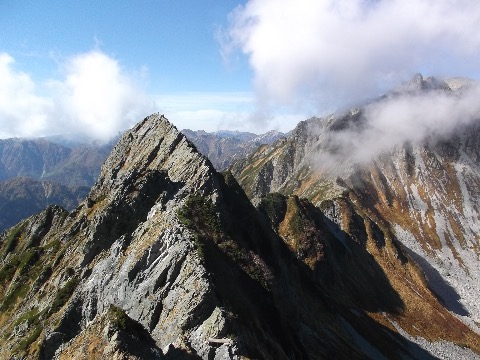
169,50
97,67
174,40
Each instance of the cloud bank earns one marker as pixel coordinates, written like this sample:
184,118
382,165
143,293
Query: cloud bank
322,53
94,97
406,117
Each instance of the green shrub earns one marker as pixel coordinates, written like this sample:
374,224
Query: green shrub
8,270
198,214
63,295
25,343
27,259
11,239
118,317
19,290
275,206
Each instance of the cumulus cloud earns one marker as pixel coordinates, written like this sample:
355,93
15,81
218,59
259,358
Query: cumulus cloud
98,97
323,53
95,97
22,111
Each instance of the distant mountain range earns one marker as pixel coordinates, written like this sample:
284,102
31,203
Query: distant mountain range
43,159
35,173
21,197
224,147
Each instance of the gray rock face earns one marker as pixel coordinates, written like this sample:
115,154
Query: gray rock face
420,83
281,166
130,248
139,256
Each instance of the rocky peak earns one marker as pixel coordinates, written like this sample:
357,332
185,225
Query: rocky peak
125,247
152,168
419,84
460,83
153,144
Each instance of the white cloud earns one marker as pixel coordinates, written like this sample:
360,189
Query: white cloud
200,119
212,111
323,53
22,112
214,120
95,97
401,118
98,97
196,100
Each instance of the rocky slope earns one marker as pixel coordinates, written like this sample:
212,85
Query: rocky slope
224,147
423,196
166,258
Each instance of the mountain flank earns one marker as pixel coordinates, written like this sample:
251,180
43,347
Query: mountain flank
70,167
43,159
167,258
422,195
22,196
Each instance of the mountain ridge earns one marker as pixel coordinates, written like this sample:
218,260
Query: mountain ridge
166,242
332,255
27,165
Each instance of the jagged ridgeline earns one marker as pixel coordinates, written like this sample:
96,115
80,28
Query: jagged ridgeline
167,258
